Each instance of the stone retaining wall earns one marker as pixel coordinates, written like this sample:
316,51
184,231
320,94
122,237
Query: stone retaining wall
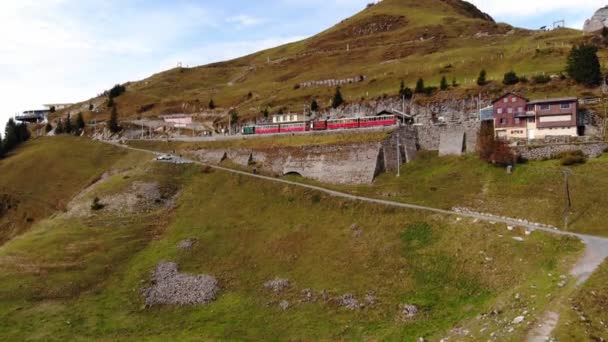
357,163
429,136
591,150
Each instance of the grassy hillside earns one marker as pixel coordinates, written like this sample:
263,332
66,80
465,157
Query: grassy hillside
586,313
389,42
42,176
79,274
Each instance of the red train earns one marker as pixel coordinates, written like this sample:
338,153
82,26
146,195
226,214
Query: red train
323,125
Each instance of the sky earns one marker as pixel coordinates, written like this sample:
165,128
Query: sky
55,51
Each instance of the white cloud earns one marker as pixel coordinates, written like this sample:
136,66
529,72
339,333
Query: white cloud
244,20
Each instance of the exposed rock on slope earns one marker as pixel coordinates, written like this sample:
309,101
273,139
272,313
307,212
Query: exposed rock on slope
597,22
172,287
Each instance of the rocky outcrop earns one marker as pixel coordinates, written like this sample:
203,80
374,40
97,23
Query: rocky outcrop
597,22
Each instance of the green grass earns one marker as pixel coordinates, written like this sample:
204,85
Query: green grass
80,279
591,303
535,191
43,175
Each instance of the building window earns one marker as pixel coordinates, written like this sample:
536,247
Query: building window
506,100
513,99
503,121
545,107
565,106
517,121
531,120
499,111
510,110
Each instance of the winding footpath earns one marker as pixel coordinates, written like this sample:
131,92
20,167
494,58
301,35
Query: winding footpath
595,253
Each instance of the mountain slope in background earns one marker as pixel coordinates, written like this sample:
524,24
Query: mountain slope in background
388,42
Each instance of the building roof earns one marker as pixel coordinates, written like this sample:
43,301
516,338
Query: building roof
558,99
507,94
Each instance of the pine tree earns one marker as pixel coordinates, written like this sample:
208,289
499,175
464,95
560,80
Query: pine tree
11,137
481,80
59,127
110,102
211,104
420,86
23,133
91,107
265,112
80,125
314,106
113,124
405,92
68,128
48,127
444,84
338,100
584,66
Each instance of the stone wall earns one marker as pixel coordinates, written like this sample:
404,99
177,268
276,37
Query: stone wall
543,152
429,136
356,163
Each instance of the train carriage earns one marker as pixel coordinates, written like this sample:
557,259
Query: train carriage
343,123
294,127
248,130
320,125
375,121
267,129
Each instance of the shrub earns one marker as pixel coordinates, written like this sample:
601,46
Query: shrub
572,158
314,106
116,91
48,127
510,78
211,104
490,149
541,79
96,205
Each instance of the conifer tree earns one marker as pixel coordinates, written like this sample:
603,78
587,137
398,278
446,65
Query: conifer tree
338,100
584,66
59,127
113,124
444,84
211,104
68,128
80,125
420,86
481,80
48,127
11,137
314,106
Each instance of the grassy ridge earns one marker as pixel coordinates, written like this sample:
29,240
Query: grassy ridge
250,231
428,39
43,175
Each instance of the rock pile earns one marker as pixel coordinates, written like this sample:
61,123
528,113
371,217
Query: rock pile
277,285
173,288
349,301
187,244
408,310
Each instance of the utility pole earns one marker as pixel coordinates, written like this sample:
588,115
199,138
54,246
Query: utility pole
568,208
398,155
